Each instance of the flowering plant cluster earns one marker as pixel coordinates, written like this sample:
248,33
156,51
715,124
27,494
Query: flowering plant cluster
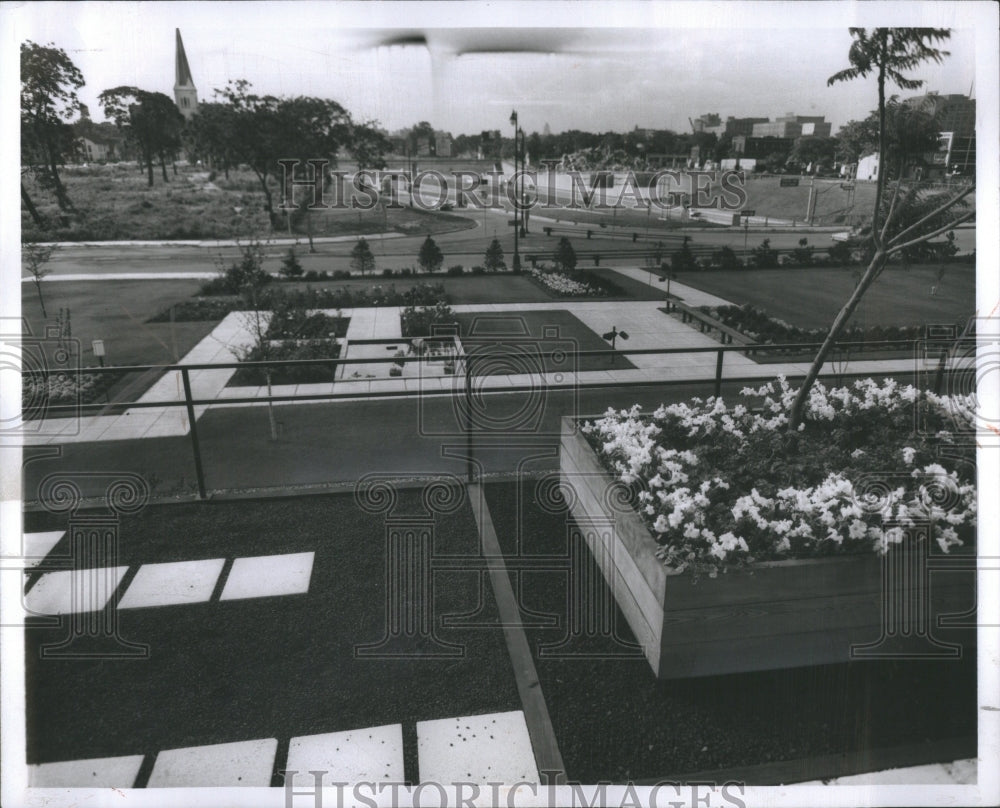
63,388
721,486
563,284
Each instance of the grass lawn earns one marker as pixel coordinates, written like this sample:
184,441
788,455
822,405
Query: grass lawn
811,298
614,721
115,202
516,338
271,667
117,312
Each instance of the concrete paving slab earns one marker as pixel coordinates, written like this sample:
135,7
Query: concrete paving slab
37,546
111,772
73,591
269,576
479,749
354,756
173,583
245,763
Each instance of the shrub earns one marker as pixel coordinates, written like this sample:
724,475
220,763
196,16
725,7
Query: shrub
765,256
840,253
362,259
565,256
419,321
430,258
725,258
478,270
387,273
457,269
340,274
493,260
406,272
683,260
290,266
215,286
803,254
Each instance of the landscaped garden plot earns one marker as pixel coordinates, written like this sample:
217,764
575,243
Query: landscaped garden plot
811,298
273,667
121,321
613,720
512,340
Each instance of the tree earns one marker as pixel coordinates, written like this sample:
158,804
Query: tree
35,256
814,149
369,147
422,131
565,256
49,81
266,129
149,120
210,134
494,261
683,260
855,139
362,259
248,272
290,266
430,257
894,227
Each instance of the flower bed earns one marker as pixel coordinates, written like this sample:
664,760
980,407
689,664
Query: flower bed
798,522
337,297
288,350
567,284
720,485
761,327
38,392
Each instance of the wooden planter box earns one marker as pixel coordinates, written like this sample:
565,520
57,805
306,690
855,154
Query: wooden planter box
779,614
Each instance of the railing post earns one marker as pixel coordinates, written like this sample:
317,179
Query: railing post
720,354
199,473
470,466
939,376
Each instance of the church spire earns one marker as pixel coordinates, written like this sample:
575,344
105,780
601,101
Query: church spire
185,93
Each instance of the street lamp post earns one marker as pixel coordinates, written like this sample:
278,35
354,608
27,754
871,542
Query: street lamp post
517,224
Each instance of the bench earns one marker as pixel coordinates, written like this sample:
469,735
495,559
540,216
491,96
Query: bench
727,335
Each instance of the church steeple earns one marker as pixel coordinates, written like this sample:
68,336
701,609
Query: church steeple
185,93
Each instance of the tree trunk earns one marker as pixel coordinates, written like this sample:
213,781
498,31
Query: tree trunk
262,178
41,301
61,196
163,167
871,273
149,168
32,210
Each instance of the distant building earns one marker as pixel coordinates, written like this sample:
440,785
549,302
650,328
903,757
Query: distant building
759,147
185,93
98,142
793,126
953,113
709,122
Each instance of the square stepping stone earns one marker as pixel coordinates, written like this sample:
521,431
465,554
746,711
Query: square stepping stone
172,583
244,763
493,748
357,755
112,772
38,545
72,591
268,576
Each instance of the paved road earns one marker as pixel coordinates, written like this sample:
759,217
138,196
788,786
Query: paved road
463,246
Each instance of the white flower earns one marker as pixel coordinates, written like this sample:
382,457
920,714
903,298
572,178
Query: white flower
908,454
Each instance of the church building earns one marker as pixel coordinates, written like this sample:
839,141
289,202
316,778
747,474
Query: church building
185,93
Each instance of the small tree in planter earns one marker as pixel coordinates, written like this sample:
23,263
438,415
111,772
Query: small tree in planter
362,259
34,257
493,261
430,257
565,256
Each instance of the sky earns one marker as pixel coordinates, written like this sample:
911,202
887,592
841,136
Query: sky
465,66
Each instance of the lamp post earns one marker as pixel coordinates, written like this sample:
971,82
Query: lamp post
517,223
